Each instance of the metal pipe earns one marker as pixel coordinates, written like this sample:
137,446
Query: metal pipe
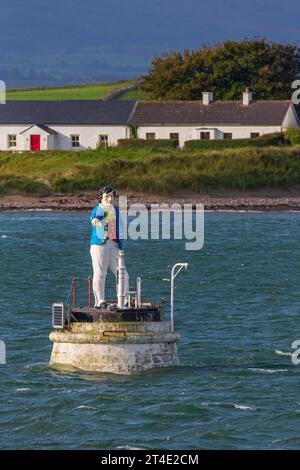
121,279
138,292
69,317
90,292
74,292
173,275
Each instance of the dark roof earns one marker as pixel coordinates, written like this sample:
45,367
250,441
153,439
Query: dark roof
66,112
41,126
265,112
268,112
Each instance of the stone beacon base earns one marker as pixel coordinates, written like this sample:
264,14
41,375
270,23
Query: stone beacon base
116,347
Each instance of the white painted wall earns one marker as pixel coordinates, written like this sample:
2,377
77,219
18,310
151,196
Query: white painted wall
5,130
89,136
190,133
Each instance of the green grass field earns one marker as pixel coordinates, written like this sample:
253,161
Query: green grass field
81,92
149,170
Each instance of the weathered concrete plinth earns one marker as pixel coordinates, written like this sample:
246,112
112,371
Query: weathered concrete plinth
119,348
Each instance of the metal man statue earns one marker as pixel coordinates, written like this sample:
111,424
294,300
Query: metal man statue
105,243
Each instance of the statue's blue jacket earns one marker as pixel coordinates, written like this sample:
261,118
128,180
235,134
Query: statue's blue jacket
99,234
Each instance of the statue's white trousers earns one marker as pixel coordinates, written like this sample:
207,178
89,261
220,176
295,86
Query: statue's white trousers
103,257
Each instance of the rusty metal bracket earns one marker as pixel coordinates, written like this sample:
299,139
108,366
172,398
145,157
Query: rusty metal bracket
114,333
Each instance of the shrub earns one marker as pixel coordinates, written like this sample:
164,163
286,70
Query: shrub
293,135
219,144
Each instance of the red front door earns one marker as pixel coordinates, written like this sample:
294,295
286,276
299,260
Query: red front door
35,142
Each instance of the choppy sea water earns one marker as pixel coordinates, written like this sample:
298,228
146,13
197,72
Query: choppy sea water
237,309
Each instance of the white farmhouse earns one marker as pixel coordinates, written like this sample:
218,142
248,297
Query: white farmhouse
83,124
208,119
63,125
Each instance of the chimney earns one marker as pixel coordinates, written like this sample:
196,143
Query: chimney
247,97
207,97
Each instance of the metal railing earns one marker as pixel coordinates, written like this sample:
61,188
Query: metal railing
174,273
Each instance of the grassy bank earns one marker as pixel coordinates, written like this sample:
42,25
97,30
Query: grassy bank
162,171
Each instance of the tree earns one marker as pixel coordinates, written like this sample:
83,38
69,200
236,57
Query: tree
226,69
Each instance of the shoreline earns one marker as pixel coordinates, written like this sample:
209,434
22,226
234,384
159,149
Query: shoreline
275,200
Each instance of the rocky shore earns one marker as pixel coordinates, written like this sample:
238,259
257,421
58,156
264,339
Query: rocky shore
271,200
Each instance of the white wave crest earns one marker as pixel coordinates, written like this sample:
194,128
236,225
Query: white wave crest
130,448
268,371
282,353
244,407
86,407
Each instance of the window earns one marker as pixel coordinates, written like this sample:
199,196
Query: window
253,135
174,136
103,140
75,140
150,135
12,140
227,135
204,135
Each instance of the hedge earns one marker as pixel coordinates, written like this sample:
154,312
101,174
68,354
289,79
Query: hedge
142,143
218,144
